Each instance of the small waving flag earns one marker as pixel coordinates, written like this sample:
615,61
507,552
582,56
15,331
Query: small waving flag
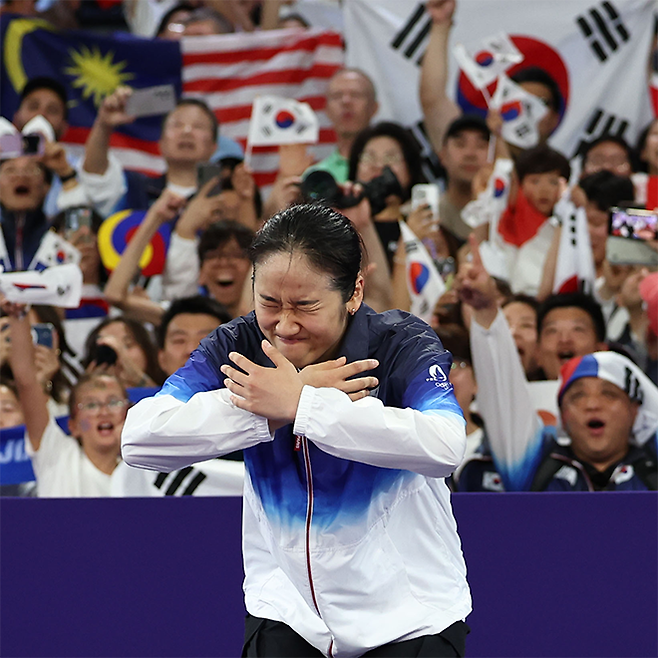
54,250
521,112
276,120
574,269
492,57
492,201
60,285
116,232
423,279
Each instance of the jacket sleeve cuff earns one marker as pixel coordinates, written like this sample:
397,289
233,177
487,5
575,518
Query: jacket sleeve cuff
304,410
262,427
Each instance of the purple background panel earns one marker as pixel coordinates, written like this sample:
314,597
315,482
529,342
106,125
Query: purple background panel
552,575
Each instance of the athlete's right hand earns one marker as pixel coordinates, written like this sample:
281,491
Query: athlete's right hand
336,374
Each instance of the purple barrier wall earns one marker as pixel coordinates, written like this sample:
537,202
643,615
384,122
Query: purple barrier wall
552,575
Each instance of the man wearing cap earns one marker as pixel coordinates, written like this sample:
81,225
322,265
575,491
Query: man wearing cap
463,154
608,409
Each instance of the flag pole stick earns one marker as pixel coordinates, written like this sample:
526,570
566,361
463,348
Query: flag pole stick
247,155
492,139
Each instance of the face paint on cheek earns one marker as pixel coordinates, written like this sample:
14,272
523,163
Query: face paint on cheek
85,425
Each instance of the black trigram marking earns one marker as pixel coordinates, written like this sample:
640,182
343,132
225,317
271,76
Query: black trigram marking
601,123
410,247
431,165
266,130
268,108
178,482
632,386
522,130
413,35
572,230
604,30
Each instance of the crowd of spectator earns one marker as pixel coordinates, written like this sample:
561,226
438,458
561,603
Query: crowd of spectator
558,390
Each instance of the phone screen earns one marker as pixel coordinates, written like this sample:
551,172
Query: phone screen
42,334
206,171
425,194
633,223
76,218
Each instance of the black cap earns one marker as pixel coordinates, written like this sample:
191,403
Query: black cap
43,82
467,122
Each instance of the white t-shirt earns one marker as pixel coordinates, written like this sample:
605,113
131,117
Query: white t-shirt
63,470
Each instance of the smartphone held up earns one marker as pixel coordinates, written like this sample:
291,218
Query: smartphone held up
632,237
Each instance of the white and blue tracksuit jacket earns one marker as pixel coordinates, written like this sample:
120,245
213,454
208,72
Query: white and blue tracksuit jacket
349,536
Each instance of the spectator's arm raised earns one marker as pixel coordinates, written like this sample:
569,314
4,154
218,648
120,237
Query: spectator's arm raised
438,110
134,304
513,428
112,113
22,361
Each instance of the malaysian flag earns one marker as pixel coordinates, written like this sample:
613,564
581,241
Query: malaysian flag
90,66
230,71
227,71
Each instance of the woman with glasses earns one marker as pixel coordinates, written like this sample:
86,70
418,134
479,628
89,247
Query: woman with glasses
387,145
80,465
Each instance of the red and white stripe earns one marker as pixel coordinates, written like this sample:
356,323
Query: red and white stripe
229,71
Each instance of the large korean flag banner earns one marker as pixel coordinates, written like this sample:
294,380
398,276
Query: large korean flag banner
596,50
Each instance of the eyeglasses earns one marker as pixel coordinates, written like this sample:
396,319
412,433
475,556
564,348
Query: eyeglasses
460,364
371,160
32,172
219,255
94,407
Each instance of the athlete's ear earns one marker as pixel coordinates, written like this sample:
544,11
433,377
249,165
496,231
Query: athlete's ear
357,296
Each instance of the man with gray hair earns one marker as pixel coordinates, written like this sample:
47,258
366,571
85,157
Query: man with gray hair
351,104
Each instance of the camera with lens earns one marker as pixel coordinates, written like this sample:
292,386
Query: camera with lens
321,187
104,355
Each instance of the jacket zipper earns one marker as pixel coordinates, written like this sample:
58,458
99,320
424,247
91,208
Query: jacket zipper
302,441
18,245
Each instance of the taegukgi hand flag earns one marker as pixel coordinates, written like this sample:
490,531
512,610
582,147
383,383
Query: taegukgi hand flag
423,279
54,250
574,269
521,112
276,120
492,201
486,62
56,286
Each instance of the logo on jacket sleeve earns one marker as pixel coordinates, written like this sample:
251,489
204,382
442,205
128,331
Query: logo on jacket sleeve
438,376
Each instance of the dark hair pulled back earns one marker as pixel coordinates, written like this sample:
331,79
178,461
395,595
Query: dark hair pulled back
327,238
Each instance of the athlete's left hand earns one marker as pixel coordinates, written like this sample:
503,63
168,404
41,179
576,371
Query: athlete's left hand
269,392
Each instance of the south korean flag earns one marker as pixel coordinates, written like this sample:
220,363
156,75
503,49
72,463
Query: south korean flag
54,250
276,121
484,64
520,111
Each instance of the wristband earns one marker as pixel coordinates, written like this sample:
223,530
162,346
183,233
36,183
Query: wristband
68,177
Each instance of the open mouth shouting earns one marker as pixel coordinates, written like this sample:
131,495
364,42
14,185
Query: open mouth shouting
105,429
565,355
596,426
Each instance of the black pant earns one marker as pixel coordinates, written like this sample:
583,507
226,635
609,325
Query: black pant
265,638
